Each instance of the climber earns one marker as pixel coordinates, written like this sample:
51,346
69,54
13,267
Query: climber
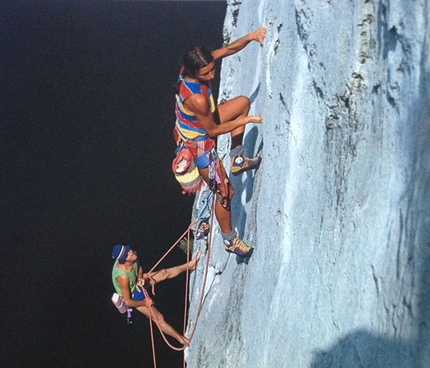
199,121
128,280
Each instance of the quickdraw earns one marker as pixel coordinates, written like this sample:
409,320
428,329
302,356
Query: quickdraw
219,181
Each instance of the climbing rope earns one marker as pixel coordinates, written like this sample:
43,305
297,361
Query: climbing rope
206,273
174,245
152,335
187,232
187,274
146,276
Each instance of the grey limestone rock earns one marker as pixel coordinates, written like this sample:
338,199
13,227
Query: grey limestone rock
338,211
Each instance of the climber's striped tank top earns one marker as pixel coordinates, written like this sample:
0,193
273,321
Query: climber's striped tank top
186,122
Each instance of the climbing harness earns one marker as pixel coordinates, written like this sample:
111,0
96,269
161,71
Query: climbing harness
188,176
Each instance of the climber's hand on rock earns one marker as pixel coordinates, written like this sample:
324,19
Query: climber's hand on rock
259,34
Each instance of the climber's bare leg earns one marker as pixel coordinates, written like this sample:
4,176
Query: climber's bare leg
222,214
232,109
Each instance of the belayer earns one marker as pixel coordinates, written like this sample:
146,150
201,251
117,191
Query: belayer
199,121
128,280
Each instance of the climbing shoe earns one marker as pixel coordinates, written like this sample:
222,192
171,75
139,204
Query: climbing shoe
240,164
238,247
202,231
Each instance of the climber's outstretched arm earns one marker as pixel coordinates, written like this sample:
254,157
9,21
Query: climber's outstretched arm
240,43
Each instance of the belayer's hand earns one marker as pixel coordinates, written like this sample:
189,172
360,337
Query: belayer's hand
141,282
148,302
259,34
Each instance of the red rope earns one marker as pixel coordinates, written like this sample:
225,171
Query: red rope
186,293
151,315
152,336
173,246
206,270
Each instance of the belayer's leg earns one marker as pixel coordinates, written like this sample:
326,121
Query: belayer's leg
170,273
164,326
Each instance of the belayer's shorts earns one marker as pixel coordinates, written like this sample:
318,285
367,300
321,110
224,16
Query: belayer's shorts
138,294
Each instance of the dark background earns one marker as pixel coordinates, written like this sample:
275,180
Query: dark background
87,112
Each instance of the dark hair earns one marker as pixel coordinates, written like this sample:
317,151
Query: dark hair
193,60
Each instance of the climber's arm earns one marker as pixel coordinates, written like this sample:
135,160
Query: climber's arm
240,43
198,104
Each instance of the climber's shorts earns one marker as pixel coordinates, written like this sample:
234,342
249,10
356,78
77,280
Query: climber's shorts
201,150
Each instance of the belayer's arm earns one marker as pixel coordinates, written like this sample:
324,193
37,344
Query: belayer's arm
240,43
126,294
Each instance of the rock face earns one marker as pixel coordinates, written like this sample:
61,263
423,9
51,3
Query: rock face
338,211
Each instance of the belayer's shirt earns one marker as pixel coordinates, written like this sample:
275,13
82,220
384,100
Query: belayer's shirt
132,276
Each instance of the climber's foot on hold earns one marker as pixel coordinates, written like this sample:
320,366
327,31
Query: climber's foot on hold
203,230
238,247
240,164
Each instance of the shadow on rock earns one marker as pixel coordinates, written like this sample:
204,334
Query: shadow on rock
364,349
